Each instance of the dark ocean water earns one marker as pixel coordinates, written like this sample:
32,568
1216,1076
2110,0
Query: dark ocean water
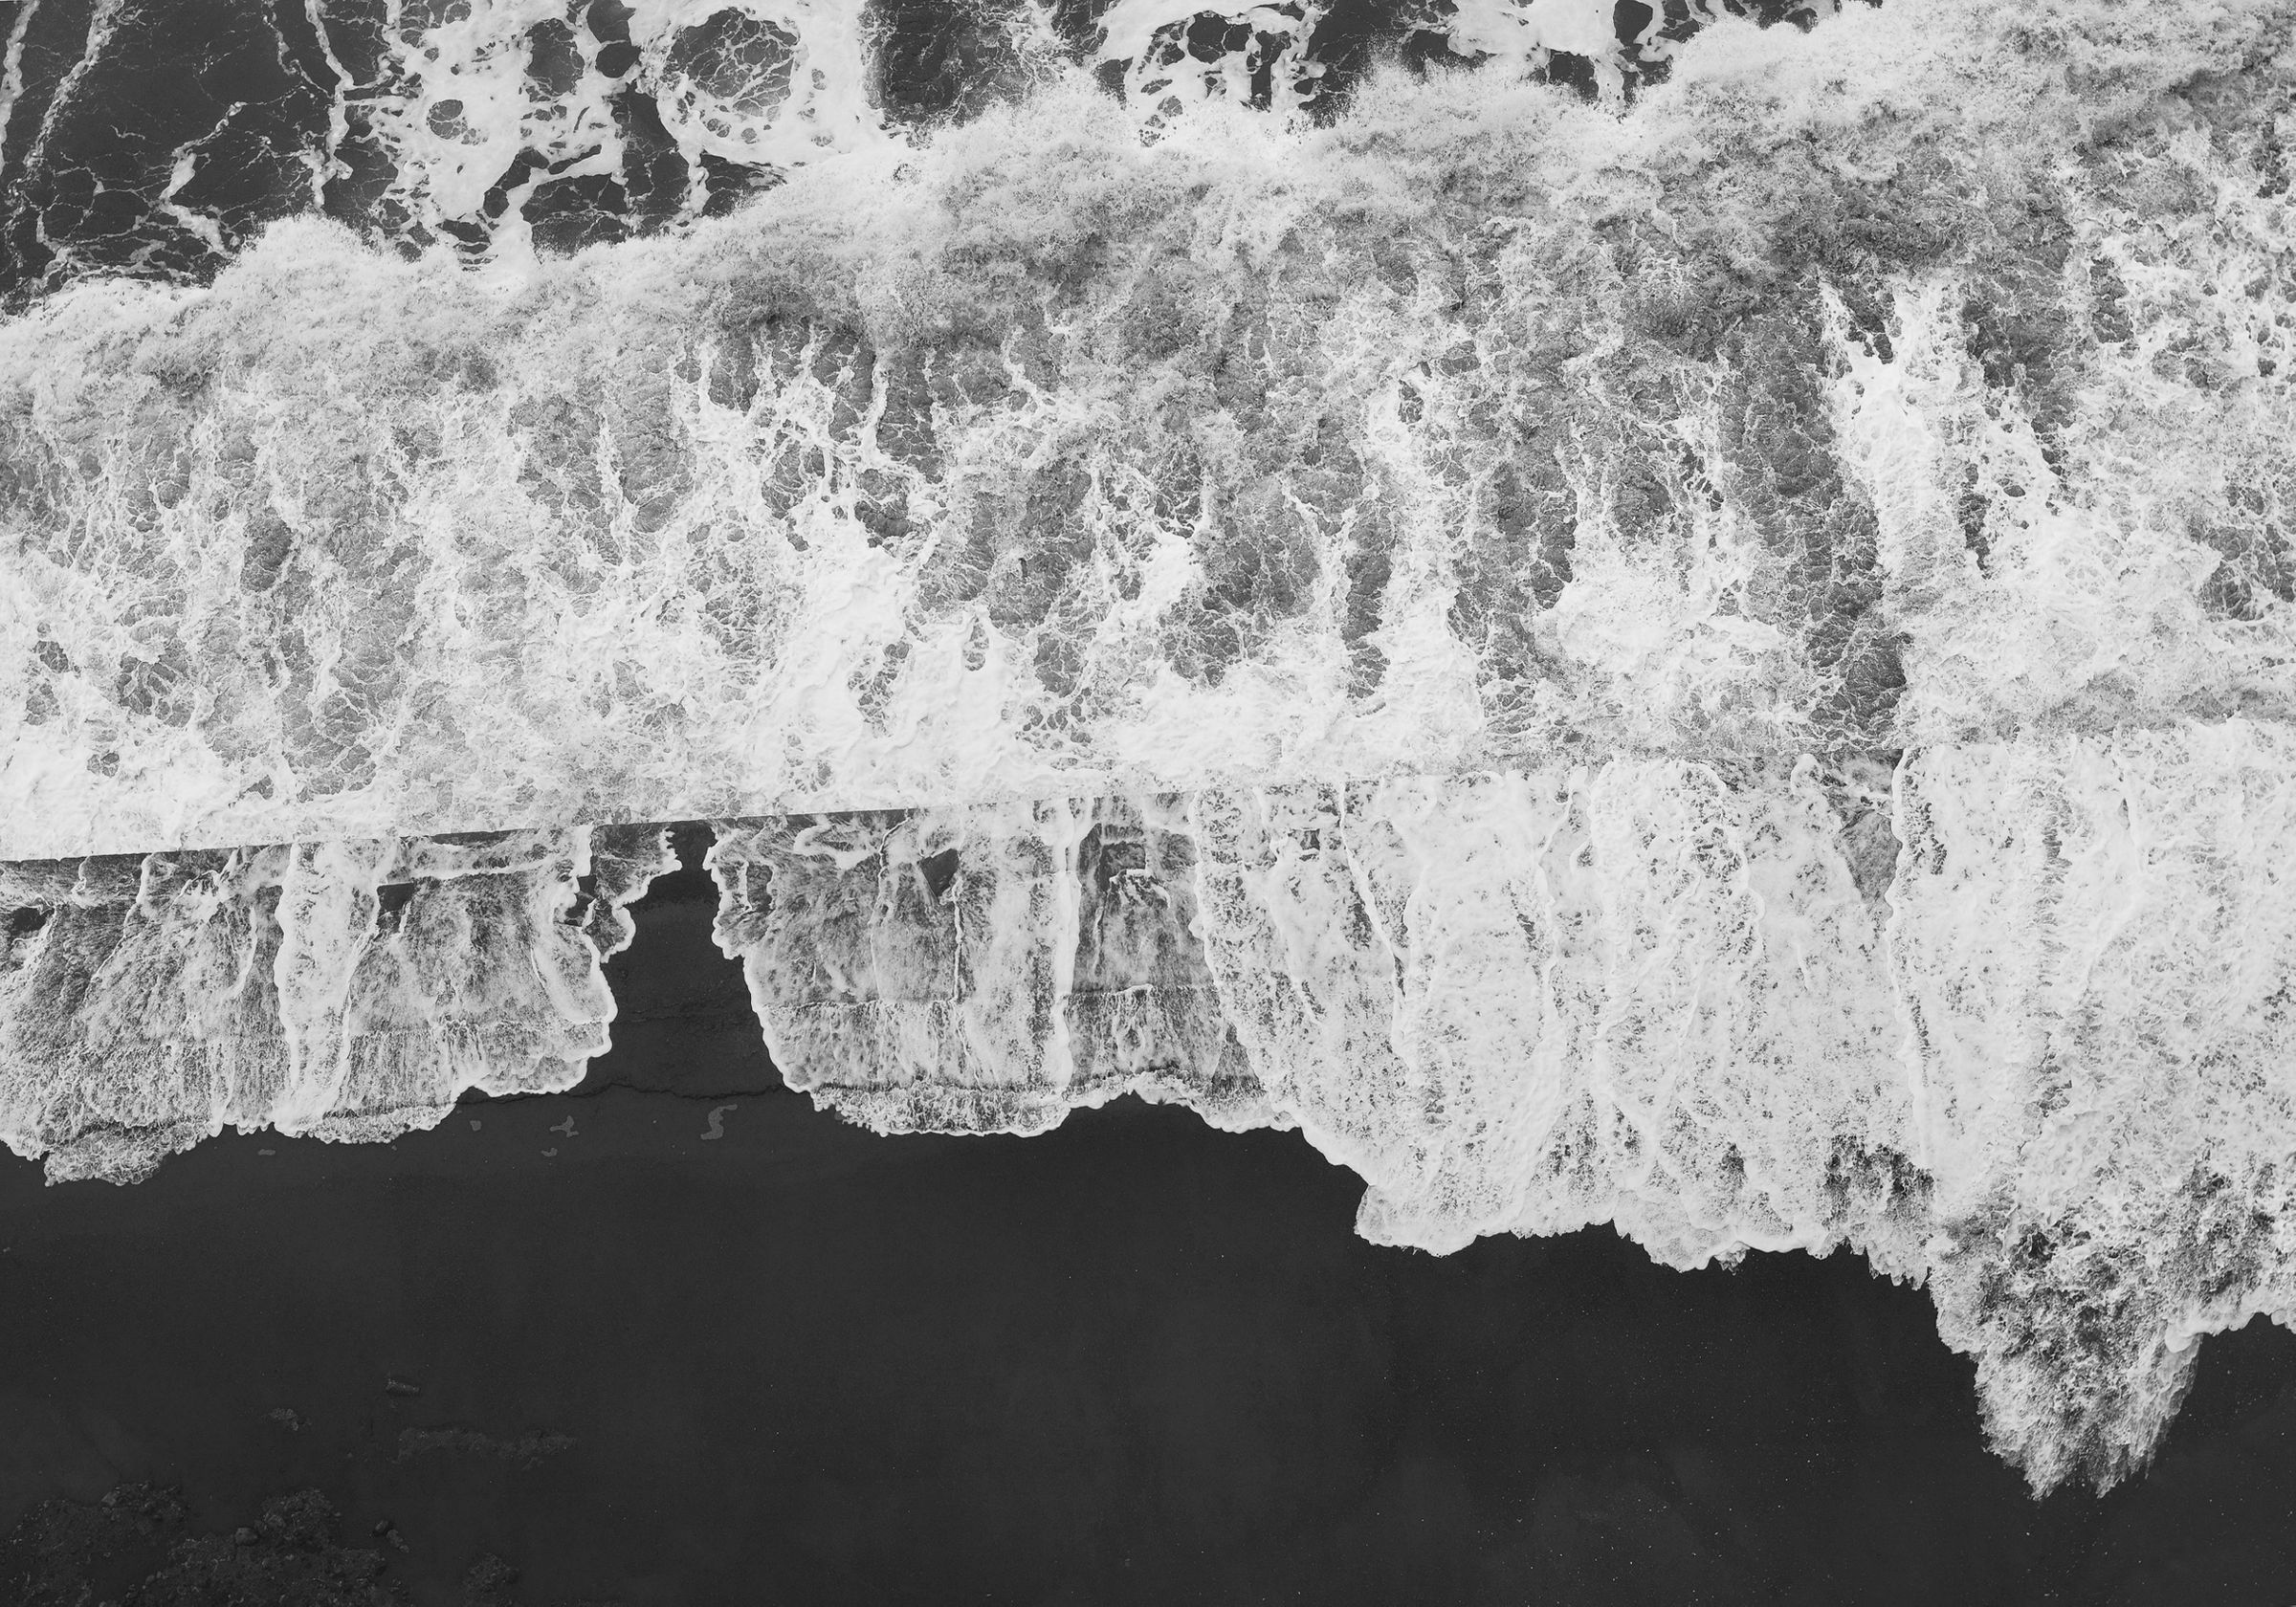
154,137
1133,1360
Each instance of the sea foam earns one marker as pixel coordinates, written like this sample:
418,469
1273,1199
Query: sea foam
1713,655
1797,406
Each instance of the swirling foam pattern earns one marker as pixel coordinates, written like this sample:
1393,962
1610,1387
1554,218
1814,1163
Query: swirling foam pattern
1798,407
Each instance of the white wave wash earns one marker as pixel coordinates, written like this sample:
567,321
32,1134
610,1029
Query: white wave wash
1721,1008
1648,993
349,990
1040,462
1720,666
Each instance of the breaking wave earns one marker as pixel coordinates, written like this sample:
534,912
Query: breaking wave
1692,632
1720,1007
1794,406
349,990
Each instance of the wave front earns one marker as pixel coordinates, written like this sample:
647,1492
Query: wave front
1714,654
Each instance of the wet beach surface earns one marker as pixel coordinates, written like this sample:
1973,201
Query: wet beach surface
679,1337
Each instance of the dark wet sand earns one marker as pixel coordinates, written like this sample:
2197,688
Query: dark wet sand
1135,1360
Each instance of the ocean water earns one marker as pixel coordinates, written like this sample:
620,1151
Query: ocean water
1475,424
1676,619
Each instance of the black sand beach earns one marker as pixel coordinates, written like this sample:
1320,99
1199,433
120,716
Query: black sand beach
679,1338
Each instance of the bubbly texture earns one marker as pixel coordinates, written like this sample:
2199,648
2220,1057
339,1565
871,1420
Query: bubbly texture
2018,1020
352,990
1721,1007
1919,378
1619,615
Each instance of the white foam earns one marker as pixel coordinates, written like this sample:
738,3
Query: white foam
1650,993
166,999
770,516
1482,657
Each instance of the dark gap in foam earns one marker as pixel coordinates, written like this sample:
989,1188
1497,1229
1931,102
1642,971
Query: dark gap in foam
683,1020
392,899
940,872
